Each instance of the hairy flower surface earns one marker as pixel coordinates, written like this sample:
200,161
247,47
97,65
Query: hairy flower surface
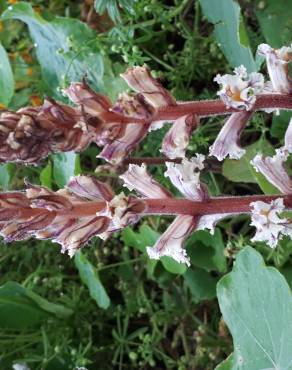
273,170
137,178
269,226
185,176
240,90
277,64
171,242
227,141
141,81
177,138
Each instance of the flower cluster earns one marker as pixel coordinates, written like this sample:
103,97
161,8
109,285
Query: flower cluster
88,207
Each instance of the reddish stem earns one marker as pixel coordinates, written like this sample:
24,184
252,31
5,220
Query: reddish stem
174,206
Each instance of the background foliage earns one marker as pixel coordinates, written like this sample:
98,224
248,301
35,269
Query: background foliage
110,306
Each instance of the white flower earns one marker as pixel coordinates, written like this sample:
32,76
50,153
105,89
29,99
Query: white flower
227,141
177,138
273,170
171,242
210,221
141,81
239,90
137,177
269,226
185,176
277,64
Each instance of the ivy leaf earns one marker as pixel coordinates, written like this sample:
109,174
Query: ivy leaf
207,251
201,284
256,305
6,174
67,49
6,78
230,32
65,165
275,19
242,171
90,278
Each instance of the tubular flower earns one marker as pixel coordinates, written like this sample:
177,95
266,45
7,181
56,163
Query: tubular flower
185,176
176,140
269,226
277,64
272,168
171,242
137,178
141,81
227,141
239,90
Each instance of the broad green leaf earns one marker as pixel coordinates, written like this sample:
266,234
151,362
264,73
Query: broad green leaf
256,305
46,176
275,19
201,284
207,251
242,171
226,364
146,237
21,308
90,278
230,32
6,173
6,78
280,124
67,49
65,165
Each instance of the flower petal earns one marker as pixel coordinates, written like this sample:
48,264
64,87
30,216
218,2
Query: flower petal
239,90
288,138
272,168
210,221
137,178
177,138
269,226
277,64
116,151
226,143
171,242
185,176
90,188
141,81
93,103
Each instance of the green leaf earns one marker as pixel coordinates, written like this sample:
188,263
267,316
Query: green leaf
65,165
67,49
46,176
242,171
256,304
146,237
230,32
6,173
226,364
6,78
280,124
90,278
275,19
207,251
21,308
112,7
201,284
